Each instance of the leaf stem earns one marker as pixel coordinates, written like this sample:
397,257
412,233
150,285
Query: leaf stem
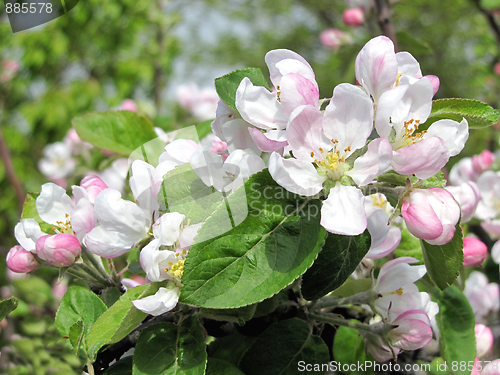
331,319
357,299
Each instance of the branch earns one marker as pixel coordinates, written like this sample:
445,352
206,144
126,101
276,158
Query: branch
490,18
158,74
384,21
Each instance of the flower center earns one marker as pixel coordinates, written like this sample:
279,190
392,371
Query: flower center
64,226
176,269
406,136
331,163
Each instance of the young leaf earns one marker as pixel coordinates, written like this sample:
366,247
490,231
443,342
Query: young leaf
336,262
119,320
184,192
349,347
7,306
166,348
76,335
227,85
282,347
118,131
217,366
444,262
477,114
30,212
78,304
122,367
264,252
456,328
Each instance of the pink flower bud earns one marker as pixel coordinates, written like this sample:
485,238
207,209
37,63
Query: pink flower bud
128,105
497,69
60,249
482,162
93,185
353,17
475,251
20,260
218,145
435,83
484,340
332,38
431,214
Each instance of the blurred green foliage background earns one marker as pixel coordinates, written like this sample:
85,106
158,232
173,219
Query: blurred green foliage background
103,52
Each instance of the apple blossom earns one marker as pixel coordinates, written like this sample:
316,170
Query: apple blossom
128,105
483,296
431,214
20,260
322,145
93,185
467,196
483,161
475,251
60,250
462,171
492,368
200,102
333,38
57,162
295,85
487,209
164,300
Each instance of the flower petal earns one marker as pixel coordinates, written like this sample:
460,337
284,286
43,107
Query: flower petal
164,300
374,162
53,204
454,134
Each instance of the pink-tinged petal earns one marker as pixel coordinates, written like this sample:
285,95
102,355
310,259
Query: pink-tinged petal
413,331
454,134
60,250
492,368
423,159
435,83
188,235
484,340
108,244
386,105
259,107
20,260
238,136
53,204
305,133
179,151
398,273
390,243
167,228
282,61
83,218
263,143
349,116
378,226
376,66
374,162
93,185
353,17
381,352
297,90
420,217
492,227
448,211
295,175
408,66
462,171
343,211
164,300
475,251
468,197
416,105
117,214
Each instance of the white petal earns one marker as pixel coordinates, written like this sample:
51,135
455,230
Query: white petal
237,136
343,211
167,228
295,175
53,204
454,134
283,61
27,232
179,151
107,244
375,161
161,302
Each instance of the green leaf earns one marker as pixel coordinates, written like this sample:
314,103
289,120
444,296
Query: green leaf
230,348
184,192
490,4
78,304
477,114
412,44
409,246
336,262
7,306
349,347
444,262
240,315
76,335
456,328
166,348
119,320
134,260
281,347
122,367
118,131
33,290
217,366
110,295
227,85
30,212
275,238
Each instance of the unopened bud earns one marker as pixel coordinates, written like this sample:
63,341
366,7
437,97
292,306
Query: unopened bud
20,260
60,249
93,185
484,340
475,251
353,17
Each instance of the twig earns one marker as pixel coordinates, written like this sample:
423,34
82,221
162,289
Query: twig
491,20
158,74
384,21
